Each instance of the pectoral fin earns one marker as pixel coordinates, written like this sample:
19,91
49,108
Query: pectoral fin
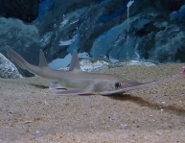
56,85
73,92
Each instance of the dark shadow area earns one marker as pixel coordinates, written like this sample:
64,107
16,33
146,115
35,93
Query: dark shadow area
140,101
38,86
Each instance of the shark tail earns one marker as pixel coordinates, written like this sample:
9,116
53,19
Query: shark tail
17,58
23,63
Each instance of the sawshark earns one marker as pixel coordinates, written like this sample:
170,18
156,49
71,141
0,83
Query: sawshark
77,82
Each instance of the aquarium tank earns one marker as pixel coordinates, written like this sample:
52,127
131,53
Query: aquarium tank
114,30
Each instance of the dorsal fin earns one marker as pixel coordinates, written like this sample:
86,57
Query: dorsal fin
74,62
42,60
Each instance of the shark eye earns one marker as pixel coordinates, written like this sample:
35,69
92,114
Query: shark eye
117,85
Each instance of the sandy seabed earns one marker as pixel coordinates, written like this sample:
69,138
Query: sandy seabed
30,112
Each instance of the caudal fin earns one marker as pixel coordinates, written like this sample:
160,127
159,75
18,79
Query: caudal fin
16,57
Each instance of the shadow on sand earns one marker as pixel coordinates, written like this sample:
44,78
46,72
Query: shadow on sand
138,100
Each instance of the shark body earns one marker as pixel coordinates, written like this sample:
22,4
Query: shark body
77,82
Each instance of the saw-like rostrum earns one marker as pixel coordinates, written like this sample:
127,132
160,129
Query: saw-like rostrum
77,82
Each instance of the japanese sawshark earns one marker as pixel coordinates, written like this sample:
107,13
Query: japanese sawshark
77,82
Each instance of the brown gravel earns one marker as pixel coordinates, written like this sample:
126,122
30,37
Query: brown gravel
29,112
